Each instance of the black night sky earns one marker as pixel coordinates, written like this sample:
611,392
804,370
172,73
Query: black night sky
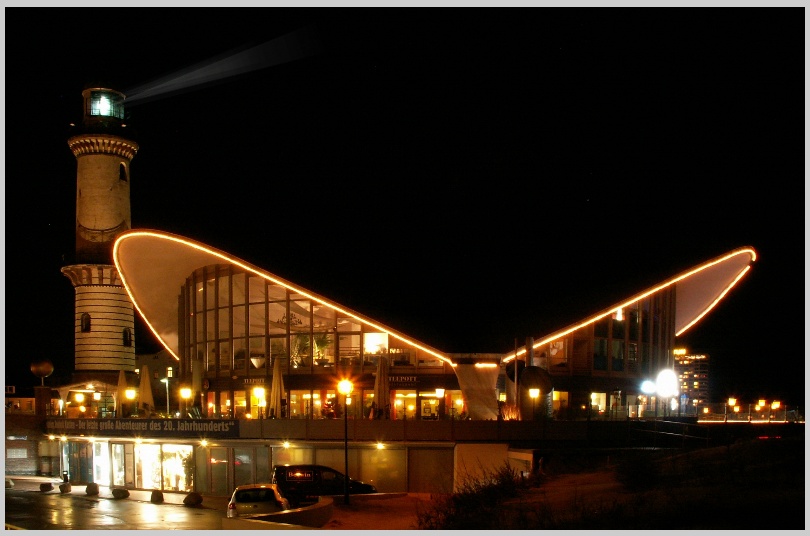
467,176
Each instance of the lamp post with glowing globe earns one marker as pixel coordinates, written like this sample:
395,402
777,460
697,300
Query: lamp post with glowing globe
666,385
42,395
345,388
130,395
648,388
185,394
534,394
731,402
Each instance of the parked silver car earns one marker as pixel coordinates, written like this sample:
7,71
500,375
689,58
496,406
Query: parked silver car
256,499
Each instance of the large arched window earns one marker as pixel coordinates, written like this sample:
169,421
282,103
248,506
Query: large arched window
85,322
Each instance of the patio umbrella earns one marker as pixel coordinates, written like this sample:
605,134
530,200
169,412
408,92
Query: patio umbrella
276,391
146,399
121,394
382,393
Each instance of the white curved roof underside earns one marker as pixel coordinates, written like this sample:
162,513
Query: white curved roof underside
697,291
154,265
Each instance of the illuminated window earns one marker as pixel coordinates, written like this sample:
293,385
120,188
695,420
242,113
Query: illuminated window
106,104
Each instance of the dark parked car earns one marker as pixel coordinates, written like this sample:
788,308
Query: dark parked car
305,483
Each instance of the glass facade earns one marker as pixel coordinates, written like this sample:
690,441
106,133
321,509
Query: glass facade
236,325
621,348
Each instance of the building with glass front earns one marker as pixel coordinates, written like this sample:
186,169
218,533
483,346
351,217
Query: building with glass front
256,360
254,364
232,327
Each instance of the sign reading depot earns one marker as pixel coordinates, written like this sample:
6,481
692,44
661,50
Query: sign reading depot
146,427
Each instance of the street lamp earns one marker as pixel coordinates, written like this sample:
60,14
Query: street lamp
97,398
185,394
440,396
345,388
774,406
666,385
130,394
731,402
80,400
166,381
648,388
259,395
533,394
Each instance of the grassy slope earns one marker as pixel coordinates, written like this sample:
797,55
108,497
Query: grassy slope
751,484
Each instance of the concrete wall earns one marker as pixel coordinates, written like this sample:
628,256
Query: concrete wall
26,429
474,460
308,517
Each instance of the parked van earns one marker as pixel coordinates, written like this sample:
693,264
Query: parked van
305,483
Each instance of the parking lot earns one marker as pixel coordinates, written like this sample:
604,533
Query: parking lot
29,508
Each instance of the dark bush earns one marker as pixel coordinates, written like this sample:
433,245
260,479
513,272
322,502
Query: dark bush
716,488
475,505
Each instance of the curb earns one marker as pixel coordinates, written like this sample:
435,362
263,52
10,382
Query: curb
32,483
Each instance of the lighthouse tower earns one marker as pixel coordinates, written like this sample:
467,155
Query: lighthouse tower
103,314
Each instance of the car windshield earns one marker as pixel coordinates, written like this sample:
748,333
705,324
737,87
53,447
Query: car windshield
255,495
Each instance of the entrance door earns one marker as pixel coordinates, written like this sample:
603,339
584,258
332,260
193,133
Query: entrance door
80,462
220,483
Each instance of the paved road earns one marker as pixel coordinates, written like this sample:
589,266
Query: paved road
29,508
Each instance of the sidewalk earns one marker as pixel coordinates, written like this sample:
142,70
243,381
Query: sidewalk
32,483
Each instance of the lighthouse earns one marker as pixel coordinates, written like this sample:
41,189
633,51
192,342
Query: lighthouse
104,319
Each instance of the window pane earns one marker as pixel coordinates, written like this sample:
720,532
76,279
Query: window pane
224,323
618,355
257,321
278,318
224,290
238,289
256,290
600,354
239,321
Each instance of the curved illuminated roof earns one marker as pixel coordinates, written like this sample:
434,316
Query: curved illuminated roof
697,291
154,265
